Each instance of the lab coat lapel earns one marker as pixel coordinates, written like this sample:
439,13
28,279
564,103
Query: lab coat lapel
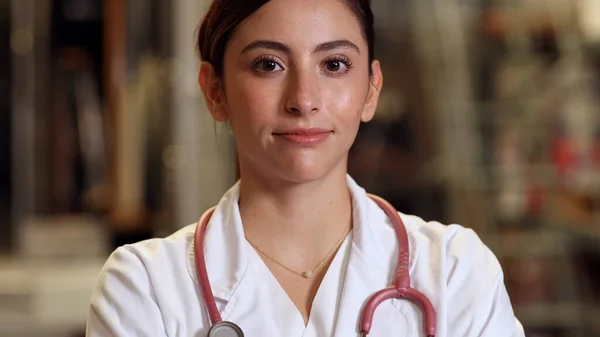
364,273
235,273
368,269
225,251
235,283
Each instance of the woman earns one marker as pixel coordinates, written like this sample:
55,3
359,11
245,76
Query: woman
296,247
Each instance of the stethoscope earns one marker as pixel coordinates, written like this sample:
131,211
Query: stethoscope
400,289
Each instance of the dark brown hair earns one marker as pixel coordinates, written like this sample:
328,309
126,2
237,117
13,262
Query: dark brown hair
224,16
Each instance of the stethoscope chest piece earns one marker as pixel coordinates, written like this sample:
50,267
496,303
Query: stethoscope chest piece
225,329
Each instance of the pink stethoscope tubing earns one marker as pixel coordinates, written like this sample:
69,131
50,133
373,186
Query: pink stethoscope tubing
400,289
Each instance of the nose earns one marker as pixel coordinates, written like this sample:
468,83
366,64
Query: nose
303,96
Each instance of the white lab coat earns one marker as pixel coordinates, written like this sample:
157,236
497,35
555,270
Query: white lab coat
151,289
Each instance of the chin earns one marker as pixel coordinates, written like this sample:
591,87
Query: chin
302,176
304,173
297,170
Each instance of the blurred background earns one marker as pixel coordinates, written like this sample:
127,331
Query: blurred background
490,117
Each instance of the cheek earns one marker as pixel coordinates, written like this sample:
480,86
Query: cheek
347,104
248,100
251,106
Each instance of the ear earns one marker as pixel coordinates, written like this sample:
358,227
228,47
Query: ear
376,83
212,91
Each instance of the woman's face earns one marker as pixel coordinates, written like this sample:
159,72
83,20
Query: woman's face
295,88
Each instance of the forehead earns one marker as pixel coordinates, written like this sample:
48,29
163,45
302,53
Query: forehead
301,21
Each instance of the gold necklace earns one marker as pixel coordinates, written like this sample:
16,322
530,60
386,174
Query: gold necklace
309,273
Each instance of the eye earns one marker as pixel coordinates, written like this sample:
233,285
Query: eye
337,65
266,65
334,66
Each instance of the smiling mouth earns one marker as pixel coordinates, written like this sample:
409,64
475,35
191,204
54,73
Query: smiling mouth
303,132
305,137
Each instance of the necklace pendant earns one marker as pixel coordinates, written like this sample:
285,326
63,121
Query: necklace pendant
308,274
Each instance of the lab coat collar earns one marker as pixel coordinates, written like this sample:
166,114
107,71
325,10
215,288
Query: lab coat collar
364,241
224,247
370,268
227,257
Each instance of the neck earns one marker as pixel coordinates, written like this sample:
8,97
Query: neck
285,217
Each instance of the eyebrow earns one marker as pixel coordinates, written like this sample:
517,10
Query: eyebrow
337,44
266,44
278,46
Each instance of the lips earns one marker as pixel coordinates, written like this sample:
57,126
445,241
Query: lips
304,131
304,136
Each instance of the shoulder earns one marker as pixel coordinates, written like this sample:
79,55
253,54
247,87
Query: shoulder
434,245
151,264
156,250
158,254
461,275
133,293
449,254
456,245
452,254
153,249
